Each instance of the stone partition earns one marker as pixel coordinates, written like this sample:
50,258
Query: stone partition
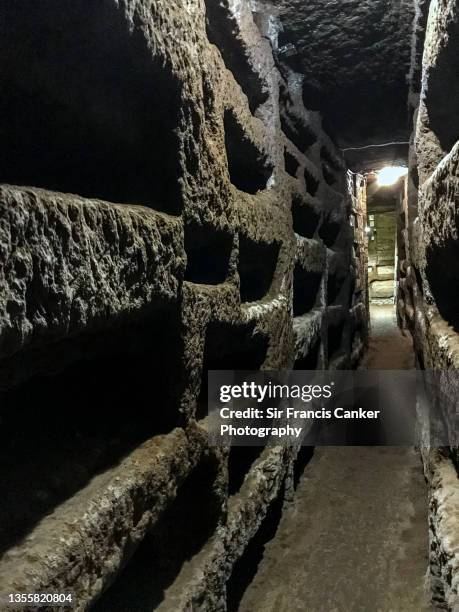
168,206
428,297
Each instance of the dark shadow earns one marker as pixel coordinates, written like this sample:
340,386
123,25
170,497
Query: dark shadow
310,361
248,167
443,279
335,287
312,184
246,566
291,163
443,104
312,96
256,267
305,218
329,230
184,528
306,286
335,339
222,32
230,347
86,106
297,131
59,431
329,175
208,254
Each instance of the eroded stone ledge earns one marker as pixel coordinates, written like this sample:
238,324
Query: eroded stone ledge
73,264
84,542
444,527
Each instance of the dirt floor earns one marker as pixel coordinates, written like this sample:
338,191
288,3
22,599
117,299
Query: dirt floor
389,349
355,538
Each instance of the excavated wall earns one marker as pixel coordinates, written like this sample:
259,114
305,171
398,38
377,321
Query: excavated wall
428,299
167,206
355,55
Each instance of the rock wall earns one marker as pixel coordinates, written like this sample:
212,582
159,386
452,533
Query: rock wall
360,310
429,303
355,55
168,206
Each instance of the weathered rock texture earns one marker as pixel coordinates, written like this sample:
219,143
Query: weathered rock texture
355,56
428,287
168,206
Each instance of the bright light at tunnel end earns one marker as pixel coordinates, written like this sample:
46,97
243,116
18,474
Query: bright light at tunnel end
390,175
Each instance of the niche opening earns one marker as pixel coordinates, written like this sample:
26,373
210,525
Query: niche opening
59,431
168,545
312,184
335,339
208,255
329,230
257,265
306,290
248,167
86,107
311,360
443,280
291,163
245,568
335,284
305,218
229,347
297,131
443,110
221,31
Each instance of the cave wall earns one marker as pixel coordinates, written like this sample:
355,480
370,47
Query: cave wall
355,55
168,205
360,310
428,303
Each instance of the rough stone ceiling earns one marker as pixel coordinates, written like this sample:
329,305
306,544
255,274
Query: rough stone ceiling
355,55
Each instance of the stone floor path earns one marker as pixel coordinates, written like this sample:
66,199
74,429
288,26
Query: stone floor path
355,539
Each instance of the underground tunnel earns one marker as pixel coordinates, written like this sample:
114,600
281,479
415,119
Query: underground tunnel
214,188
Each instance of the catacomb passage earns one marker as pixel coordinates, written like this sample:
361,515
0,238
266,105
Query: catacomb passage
200,185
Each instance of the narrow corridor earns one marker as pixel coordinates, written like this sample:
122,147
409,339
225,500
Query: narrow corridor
191,189
375,557
389,349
